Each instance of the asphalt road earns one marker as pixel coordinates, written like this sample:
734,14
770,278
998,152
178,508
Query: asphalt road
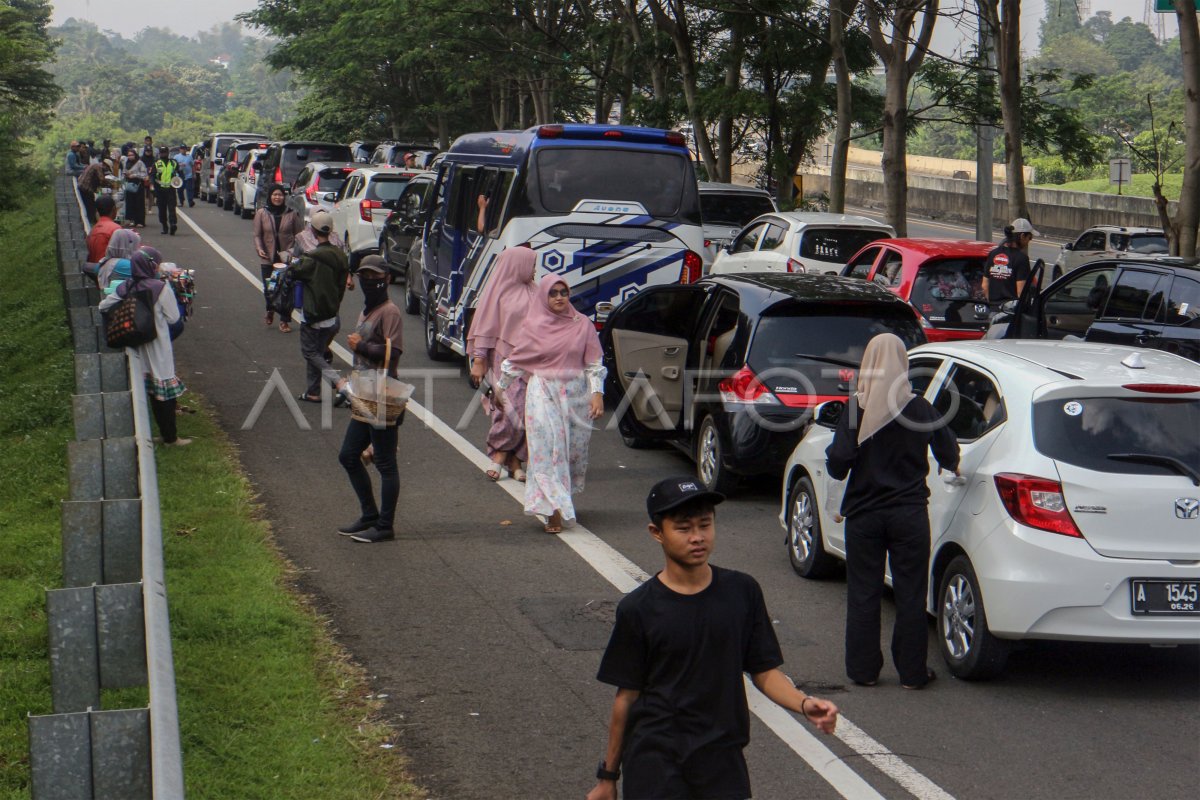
485,633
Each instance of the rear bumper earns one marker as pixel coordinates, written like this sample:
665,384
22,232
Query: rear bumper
1039,585
760,442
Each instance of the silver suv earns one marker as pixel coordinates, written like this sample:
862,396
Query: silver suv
725,208
1102,241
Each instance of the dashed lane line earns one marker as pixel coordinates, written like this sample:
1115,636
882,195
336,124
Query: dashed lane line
625,576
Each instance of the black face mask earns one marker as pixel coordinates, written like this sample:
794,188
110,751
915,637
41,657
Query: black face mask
374,291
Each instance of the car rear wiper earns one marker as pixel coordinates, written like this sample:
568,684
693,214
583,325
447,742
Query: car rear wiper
1160,461
841,362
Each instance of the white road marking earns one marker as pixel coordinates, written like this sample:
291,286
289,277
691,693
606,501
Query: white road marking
625,576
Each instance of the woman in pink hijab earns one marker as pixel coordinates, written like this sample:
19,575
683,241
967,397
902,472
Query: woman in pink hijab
558,352
501,312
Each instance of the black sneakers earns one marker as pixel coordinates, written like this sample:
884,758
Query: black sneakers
358,526
374,535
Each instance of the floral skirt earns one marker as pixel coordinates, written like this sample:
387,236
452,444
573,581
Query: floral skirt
557,431
164,390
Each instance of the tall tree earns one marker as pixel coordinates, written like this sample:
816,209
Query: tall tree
901,54
1187,218
1003,20
27,89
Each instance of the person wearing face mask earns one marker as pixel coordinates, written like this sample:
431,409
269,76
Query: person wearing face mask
379,323
275,230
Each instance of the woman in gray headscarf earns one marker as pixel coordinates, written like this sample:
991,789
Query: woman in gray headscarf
882,442
123,244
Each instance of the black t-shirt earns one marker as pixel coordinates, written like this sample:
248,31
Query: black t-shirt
686,655
889,469
1005,267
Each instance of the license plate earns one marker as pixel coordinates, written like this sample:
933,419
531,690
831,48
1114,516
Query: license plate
1159,597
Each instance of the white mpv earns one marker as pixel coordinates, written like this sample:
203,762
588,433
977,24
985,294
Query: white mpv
1078,514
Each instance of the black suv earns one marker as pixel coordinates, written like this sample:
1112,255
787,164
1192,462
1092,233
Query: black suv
730,368
283,162
1140,301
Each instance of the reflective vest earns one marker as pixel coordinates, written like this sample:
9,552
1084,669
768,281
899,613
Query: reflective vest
165,170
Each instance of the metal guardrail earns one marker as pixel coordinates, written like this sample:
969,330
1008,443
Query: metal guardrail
109,628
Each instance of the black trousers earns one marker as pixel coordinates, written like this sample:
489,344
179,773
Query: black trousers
135,207
164,415
384,440
899,534
89,204
165,198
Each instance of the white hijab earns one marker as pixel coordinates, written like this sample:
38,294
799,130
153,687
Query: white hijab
883,387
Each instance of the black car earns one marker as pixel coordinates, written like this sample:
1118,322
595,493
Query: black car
1140,301
402,227
283,162
391,154
237,155
730,368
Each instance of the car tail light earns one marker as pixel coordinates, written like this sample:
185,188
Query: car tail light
707,243
550,131
693,266
613,134
794,266
365,206
676,138
310,194
1161,388
279,174
744,386
1036,502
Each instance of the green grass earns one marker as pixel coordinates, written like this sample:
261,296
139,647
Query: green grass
268,706
1141,186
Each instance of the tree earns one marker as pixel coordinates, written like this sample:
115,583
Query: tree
1187,218
1003,19
27,89
902,55
1131,44
1061,18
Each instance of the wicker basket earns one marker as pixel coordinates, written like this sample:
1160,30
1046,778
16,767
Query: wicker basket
376,397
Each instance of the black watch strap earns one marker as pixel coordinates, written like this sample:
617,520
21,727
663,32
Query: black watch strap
605,774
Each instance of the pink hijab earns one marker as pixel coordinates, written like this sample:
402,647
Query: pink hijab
555,345
504,303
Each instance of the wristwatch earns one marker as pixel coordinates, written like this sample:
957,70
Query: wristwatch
605,774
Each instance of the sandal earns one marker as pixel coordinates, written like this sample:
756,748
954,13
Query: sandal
270,319
553,526
518,475
285,328
493,475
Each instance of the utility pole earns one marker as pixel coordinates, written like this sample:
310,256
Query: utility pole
984,133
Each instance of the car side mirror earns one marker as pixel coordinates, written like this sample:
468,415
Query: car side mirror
1068,246
218,160
829,413
1008,307
329,197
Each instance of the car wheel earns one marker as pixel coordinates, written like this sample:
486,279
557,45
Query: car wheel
412,300
247,213
1056,272
220,201
628,438
968,647
433,349
710,454
805,544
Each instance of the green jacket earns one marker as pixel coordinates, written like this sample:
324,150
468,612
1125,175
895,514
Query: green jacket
323,271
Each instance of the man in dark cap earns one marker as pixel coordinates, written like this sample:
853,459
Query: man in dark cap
680,646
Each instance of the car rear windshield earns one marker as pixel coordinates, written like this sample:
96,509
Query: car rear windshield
385,189
1140,242
293,163
733,208
949,289
833,334
1086,431
836,245
567,175
331,179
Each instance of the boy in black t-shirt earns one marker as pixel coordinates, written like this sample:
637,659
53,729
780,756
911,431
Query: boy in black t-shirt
681,643
1007,269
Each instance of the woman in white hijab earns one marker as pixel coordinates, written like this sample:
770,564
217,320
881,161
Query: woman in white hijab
882,442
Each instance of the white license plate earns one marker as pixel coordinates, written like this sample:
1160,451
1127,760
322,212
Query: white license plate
1165,598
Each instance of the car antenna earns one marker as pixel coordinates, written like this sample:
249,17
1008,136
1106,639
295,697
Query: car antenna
1133,361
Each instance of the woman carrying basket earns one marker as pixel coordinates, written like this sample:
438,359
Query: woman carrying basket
377,338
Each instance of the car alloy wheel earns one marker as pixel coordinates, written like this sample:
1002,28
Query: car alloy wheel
806,546
709,459
959,610
968,646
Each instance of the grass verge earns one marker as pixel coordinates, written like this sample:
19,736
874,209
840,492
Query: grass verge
1141,185
269,707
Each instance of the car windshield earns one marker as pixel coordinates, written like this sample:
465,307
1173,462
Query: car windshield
733,208
948,290
567,175
1086,431
331,179
385,189
293,163
832,335
1140,242
836,245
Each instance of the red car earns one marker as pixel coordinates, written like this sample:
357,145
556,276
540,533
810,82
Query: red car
941,278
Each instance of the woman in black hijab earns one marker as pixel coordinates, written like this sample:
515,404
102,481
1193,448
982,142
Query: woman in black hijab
275,229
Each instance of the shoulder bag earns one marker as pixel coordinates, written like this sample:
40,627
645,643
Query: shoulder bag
130,323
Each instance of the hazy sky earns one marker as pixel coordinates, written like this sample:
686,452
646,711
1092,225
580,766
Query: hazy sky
189,16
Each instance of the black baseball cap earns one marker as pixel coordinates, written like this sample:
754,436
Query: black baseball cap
673,492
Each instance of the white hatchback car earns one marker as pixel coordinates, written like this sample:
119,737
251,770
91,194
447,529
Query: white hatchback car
799,241
362,207
1078,514
1107,240
244,187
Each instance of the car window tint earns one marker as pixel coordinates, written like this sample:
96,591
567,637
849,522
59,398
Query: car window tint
388,188
969,402
734,209
1147,243
891,271
1183,306
1091,241
749,239
657,180
331,179
666,311
1084,431
861,267
1131,296
721,348
773,237
1084,293
921,371
836,245
948,290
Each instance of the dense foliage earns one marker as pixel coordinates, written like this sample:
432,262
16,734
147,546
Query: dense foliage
27,90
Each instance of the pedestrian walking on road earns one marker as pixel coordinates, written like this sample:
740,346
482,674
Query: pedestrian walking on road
1007,270
324,273
883,441
500,314
165,171
275,230
379,323
163,387
560,352
136,177
186,171
678,651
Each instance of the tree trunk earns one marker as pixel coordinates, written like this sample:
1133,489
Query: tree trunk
895,150
675,26
1008,59
733,79
839,17
443,131
1187,218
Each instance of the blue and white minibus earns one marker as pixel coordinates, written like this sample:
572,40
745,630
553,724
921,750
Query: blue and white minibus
609,208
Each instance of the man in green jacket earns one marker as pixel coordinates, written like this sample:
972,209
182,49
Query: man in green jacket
324,273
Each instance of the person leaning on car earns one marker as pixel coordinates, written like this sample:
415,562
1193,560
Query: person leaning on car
1006,270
